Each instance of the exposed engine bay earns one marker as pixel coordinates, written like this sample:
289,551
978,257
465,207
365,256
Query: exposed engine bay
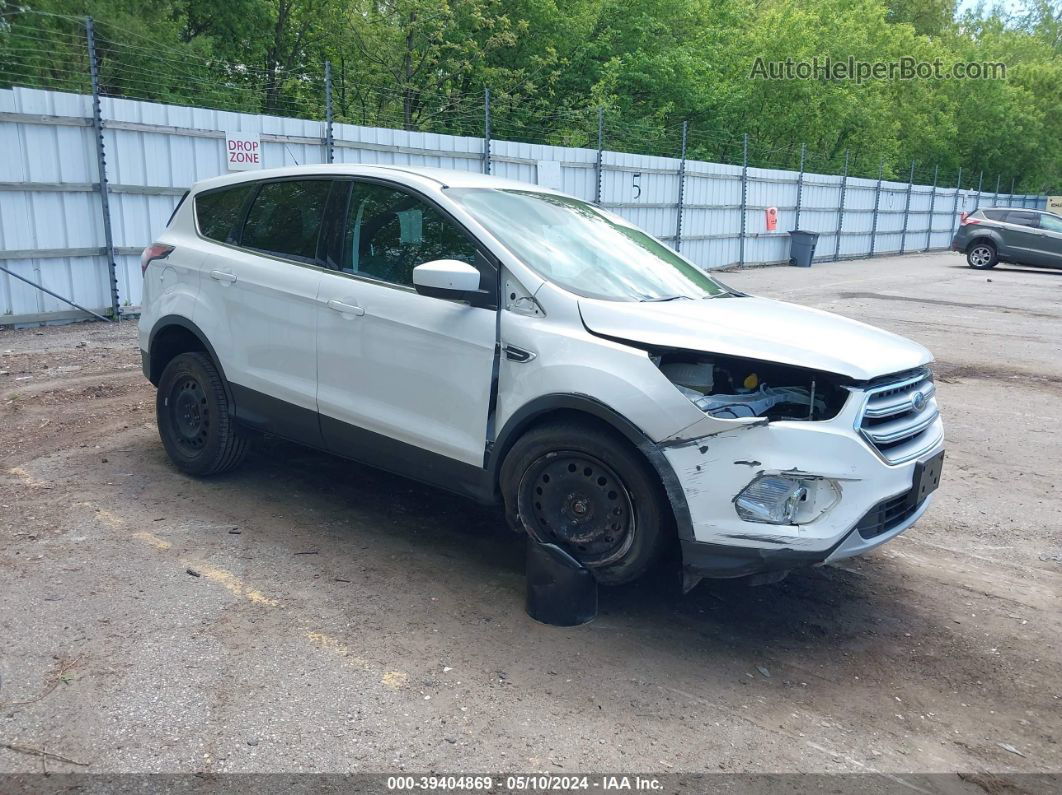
732,388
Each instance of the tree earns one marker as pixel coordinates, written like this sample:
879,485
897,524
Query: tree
550,65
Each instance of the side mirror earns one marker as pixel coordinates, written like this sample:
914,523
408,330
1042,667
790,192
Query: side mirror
447,278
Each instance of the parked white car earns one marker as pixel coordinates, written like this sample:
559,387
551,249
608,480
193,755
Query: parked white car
506,341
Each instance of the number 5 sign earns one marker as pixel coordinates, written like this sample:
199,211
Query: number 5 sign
243,151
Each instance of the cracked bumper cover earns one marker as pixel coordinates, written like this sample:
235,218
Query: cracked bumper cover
711,470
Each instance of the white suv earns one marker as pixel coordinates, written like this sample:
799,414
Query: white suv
505,341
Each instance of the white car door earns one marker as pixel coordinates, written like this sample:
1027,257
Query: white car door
404,380
264,285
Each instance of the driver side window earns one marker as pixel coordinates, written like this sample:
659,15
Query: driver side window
1050,223
389,232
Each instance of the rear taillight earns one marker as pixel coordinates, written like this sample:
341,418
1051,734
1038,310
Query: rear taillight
153,252
965,220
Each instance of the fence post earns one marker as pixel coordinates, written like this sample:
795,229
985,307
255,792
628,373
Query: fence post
486,131
980,182
599,168
907,210
932,209
877,204
840,209
329,142
744,196
955,206
101,165
1010,200
681,188
800,185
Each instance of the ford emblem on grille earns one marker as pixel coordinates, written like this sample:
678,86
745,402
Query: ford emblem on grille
918,401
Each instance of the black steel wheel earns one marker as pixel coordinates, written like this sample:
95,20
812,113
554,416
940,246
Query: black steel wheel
189,414
582,486
195,423
573,499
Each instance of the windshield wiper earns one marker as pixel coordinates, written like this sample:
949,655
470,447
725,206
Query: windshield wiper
664,298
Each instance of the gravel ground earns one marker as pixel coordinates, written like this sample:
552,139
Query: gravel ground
309,614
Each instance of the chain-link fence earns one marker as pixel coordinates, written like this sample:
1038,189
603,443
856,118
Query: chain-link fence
50,51
706,193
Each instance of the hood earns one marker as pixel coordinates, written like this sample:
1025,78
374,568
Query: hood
758,328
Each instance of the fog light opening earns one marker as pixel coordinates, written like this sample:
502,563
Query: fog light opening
786,500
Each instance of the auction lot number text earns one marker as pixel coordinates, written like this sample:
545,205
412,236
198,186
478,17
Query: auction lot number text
522,783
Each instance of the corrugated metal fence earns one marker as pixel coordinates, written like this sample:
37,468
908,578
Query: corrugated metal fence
51,220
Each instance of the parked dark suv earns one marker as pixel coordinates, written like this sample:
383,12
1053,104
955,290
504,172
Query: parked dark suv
1010,234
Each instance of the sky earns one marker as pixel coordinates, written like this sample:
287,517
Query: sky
1009,5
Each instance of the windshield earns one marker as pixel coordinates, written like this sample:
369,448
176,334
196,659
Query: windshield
584,249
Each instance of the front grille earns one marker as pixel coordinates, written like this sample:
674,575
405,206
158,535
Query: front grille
888,514
900,414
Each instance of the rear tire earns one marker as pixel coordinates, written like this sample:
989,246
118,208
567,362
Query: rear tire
193,414
981,255
582,487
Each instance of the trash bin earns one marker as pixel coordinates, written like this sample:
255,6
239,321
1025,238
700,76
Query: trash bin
802,247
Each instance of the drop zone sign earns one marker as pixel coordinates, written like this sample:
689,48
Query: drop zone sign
243,151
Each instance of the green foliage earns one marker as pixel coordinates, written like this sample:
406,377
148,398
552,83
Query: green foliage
550,65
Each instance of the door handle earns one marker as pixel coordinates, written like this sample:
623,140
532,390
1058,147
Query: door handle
223,276
346,309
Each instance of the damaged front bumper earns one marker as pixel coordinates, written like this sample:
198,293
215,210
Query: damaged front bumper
877,500
717,561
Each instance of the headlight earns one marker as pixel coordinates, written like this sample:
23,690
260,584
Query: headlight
786,499
727,387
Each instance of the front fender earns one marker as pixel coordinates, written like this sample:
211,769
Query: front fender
544,405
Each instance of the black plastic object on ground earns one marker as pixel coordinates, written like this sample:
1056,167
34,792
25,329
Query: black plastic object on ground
802,247
560,590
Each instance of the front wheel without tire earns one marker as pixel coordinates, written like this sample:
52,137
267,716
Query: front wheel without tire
195,424
585,489
981,256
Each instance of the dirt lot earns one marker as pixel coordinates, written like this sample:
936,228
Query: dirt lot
341,620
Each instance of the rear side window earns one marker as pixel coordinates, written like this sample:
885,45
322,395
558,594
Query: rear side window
995,215
1023,219
285,218
217,211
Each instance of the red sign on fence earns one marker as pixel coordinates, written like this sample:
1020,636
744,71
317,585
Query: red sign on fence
772,218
